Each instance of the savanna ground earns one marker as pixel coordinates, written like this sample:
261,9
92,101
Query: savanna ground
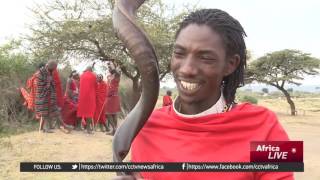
77,146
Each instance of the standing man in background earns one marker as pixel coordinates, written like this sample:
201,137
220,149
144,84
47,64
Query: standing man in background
87,98
69,111
113,101
46,100
99,116
166,100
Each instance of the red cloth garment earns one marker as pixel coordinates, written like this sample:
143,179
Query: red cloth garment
166,100
31,85
99,116
69,110
58,88
26,97
87,96
29,97
113,101
224,137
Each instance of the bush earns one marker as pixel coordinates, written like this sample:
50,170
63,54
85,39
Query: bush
249,99
15,68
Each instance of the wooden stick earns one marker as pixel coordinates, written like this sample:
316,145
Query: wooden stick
40,123
104,103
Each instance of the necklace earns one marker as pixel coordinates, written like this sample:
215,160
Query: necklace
226,107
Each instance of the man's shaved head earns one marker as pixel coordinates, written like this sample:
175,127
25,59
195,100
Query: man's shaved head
51,65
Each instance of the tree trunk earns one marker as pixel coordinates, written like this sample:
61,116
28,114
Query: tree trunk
291,103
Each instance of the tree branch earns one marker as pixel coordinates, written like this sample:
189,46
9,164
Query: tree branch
282,83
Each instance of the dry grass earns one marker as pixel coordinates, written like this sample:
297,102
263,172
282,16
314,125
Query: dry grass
304,127
55,147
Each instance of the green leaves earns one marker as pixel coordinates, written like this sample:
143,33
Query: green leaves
83,30
283,67
13,62
286,66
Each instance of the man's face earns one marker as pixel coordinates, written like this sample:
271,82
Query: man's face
76,76
199,64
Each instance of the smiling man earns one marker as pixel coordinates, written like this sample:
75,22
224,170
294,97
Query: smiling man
205,124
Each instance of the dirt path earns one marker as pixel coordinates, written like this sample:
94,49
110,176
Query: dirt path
78,146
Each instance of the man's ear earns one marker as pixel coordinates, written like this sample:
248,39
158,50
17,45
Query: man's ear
232,64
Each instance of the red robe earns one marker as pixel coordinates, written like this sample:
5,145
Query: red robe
58,88
99,116
225,137
30,96
113,101
87,96
69,110
166,100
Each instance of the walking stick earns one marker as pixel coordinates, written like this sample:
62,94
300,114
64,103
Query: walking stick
40,123
104,103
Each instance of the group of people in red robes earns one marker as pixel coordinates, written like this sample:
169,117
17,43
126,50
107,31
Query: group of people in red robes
88,100
99,101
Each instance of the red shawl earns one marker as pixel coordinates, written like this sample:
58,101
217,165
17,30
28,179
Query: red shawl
58,88
87,96
29,97
166,100
69,110
224,137
113,101
99,115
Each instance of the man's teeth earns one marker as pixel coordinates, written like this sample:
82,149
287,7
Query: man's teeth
189,86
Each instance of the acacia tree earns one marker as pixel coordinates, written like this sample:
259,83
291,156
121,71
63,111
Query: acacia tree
283,67
83,30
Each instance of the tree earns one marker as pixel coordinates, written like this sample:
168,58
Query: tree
265,90
283,67
83,30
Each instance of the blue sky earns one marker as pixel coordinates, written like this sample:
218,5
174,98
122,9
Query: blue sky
270,25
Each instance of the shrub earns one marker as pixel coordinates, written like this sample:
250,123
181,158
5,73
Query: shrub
15,67
249,99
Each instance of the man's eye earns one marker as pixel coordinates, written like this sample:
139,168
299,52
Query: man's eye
178,54
207,58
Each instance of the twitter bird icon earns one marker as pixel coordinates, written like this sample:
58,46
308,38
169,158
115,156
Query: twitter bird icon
74,166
